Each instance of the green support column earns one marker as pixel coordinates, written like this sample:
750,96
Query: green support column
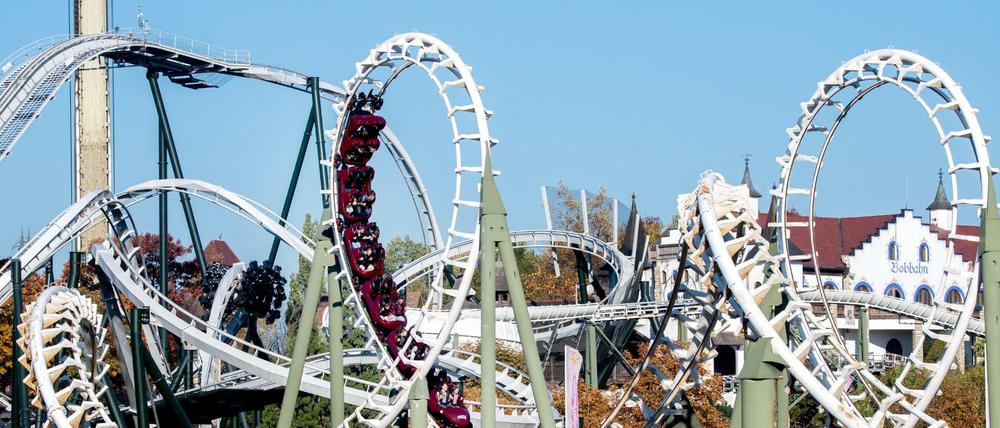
494,228
581,276
321,261
418,403
682,330
21,411
293,183
617,353
757,398
137,317
171,150
762,380
990,269
49,274
335,320
487,336
862,346
162,202
324,180
189,370
160,382
75,257
591,356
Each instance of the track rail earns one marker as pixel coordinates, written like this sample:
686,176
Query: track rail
964,144
32,76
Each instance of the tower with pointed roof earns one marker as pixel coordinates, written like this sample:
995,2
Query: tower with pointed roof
940,209
754,194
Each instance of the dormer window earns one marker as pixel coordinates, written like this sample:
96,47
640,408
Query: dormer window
893,251
924,252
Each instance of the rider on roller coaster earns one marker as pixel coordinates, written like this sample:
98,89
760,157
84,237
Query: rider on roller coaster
385,307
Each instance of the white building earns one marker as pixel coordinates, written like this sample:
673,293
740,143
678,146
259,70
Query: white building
901,254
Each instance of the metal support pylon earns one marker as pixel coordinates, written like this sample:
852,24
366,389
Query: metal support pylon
989,255
495,235
487,333
418,403
167,144
294,181
335,321
762,399
19,403
863,334
322,259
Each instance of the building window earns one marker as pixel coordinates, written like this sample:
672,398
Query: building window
893,251
830,285
894,290
924,253
954,295
924,295
894,347
863,287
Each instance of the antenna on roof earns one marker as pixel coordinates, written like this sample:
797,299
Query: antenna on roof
906,201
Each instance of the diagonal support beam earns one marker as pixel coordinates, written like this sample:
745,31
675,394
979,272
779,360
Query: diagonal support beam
293,183
322,260
168,140
496,234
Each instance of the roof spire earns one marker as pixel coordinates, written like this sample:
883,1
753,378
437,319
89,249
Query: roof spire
940,198
746,177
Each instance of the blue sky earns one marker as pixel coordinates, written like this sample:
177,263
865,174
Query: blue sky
639,98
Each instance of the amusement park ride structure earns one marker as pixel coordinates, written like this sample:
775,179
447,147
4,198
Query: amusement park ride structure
732,271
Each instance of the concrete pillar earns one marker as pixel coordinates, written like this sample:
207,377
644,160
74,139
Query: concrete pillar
92,134
960,358
918,341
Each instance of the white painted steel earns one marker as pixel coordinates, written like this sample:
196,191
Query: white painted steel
965,150
453,79
56,328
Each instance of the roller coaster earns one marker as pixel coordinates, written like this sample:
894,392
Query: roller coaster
734,274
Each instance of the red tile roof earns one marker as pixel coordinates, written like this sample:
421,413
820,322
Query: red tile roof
219,251
840,236
967,249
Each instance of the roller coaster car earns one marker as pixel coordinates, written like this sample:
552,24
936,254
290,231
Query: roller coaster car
356,151
364,125
417,350
382,310
361,233
452,412
356,205
367,261
355,177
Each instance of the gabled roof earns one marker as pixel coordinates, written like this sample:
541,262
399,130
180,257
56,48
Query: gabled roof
841,236
835,237
219,251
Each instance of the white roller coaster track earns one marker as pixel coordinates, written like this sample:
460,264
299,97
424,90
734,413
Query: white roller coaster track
728,231
64,348
31,77
965,150
74,220
470,132
68,224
